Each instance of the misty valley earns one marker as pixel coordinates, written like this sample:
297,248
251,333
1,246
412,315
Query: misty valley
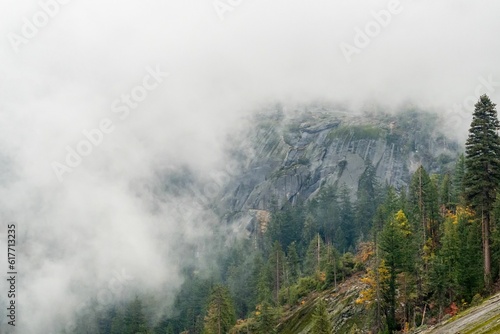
249,167
326,221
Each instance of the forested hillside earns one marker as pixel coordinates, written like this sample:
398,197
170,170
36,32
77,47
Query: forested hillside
387,230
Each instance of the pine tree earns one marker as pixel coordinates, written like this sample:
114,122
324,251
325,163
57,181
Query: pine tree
458,181
394,240
239,283
495,237
423,200
261,277
423,207
287,225
277,265
468,268
311,228
135,319
445,192
385,213
324,210
367,199
265,319
293,262
482,174
314,256
456,273
376,281
191,301
322,324
106,320
387,210
346,223
118,323
332,265
220,316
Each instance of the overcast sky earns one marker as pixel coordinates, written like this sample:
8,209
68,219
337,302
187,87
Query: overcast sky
68,72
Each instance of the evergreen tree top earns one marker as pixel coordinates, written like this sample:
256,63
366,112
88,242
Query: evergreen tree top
483,155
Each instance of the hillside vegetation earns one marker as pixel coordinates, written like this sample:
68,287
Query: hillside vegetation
373,224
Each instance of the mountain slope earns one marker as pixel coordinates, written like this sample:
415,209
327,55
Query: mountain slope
295,154
343,313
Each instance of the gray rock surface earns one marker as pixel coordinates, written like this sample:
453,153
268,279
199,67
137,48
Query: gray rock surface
294,156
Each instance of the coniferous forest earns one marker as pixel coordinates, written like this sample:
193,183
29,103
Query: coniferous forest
420,254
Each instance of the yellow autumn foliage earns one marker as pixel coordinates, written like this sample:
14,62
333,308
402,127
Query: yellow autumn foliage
402,223
369,294
365,251
461,213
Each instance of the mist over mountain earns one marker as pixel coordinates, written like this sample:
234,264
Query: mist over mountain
136,138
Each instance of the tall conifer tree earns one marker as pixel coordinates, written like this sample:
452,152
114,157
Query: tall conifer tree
322,324
482,174
220,316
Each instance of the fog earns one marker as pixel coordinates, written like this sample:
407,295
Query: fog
100,226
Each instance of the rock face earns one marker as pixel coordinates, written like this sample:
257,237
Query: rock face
296,155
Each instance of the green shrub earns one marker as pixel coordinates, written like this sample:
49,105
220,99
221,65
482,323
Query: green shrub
476,300
306,285
289,295
348,263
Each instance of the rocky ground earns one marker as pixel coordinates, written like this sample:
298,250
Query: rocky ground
482,319
345,315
